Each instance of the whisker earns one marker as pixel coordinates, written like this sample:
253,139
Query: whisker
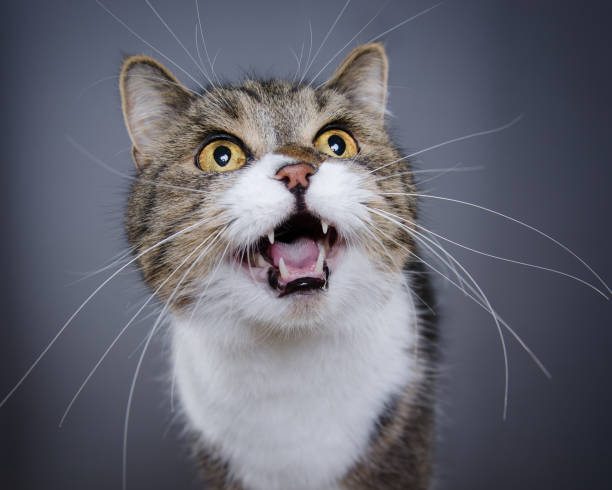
448,169
114,261
88,299
106,166
124,329
397,26
413,172
142,77
309,49
522,343
519,222
384,248
453,140
451,266
139,37
325,39
486,301
197,45
211,65
141,358
165,24
299,61
94,84
348,43
504,259
201,296
455,168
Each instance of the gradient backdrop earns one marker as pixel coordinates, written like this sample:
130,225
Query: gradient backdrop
464,67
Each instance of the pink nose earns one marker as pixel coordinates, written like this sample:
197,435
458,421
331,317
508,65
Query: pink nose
295,175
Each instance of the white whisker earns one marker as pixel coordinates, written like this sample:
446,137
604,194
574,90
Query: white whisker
455,168
397,26
299,61
309,49
114,261
142,355
347,44
201,296
88,299
519,222
124,329
142,77
504,259
521,342
165,24
482,295
325,39
106,166
384,248
211,65
453,140
138,36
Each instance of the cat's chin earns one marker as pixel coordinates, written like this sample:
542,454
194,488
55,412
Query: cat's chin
296,258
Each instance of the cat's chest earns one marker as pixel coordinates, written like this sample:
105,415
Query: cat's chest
295,414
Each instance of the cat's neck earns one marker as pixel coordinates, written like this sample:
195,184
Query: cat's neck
277,393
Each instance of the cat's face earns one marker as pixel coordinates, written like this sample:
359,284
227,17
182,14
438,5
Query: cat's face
264,195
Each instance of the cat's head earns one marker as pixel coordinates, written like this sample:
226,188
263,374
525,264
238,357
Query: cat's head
261,201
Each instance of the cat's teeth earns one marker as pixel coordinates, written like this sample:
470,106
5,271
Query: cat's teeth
260,261
326,245
283,269
271,237
320,259
325,226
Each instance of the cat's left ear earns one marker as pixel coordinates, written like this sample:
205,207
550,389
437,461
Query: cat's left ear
362,76
151,98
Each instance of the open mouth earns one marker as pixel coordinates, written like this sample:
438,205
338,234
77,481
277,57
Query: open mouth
294,256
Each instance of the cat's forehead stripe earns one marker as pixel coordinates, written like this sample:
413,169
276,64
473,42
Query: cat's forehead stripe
300,154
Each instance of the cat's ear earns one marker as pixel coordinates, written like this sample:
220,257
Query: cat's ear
362,76
151,98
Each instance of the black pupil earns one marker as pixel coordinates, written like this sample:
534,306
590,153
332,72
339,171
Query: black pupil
337,144
222,155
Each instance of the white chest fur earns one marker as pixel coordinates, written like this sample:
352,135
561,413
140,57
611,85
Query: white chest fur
295,413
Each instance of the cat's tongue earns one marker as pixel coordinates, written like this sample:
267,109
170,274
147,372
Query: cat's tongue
300,257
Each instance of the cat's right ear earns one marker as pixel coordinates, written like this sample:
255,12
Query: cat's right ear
150,96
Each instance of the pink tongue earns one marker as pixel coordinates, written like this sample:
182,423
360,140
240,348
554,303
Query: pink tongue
300,254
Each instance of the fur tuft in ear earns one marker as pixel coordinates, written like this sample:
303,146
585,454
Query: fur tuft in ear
151,97
362,76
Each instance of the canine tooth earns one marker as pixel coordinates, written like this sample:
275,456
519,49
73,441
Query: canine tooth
283,269
260,261
326,244
324,225
271,236
320,260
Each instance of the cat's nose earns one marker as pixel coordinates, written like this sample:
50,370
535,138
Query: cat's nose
295,175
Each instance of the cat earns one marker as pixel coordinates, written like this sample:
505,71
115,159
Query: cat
274,220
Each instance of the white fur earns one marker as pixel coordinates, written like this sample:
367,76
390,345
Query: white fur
257,202
336,194
294,413
288,390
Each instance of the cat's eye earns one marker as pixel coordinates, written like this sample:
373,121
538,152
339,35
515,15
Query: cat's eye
336,143
220,156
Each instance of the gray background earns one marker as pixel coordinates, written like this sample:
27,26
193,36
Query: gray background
466,66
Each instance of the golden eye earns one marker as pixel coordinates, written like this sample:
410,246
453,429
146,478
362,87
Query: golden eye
220,156
336,143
